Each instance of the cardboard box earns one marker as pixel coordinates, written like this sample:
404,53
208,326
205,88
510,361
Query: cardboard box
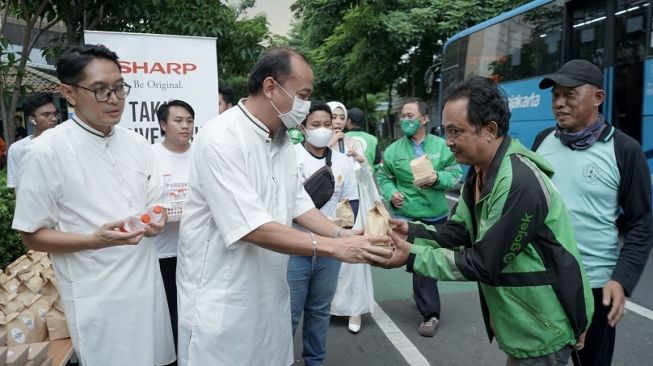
38,352
17,355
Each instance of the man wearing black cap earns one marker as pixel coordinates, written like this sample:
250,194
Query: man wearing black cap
354,126
599,171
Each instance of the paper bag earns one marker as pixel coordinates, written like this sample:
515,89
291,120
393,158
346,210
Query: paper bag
39,307
17,326
49,291
376,220
422,169
20,265
56,321
3,278
7,298
34,283
345,212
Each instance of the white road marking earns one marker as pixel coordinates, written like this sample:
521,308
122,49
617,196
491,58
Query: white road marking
647,313
407,349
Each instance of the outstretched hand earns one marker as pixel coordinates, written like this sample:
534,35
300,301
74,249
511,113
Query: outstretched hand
154,228
364,249
400,228
400,254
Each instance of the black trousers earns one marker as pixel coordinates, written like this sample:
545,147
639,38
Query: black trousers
168,273
427,296
599,341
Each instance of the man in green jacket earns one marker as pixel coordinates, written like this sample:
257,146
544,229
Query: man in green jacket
426,202
510,232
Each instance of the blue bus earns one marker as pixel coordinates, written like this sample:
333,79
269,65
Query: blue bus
520,46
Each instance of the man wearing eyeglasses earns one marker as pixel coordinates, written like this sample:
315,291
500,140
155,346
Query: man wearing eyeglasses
42,114
509,232
79,183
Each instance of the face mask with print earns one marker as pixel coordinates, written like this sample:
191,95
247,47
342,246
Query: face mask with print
297,114
319,137
410,126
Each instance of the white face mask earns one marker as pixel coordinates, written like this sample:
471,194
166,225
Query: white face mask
297,114
319,137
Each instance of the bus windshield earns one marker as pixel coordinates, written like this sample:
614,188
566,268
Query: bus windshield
520,47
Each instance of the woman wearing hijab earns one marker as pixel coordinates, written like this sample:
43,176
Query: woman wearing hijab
354,293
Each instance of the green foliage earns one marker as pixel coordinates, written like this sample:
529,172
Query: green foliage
11,246
240,41
372,46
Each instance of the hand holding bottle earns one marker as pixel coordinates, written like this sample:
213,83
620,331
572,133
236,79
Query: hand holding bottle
150,223
110,234
158,219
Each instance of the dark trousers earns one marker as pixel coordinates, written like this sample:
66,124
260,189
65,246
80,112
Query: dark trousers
427,296
599,341
168,274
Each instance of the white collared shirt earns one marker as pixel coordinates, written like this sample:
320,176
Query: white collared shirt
16,152
239,180
74,180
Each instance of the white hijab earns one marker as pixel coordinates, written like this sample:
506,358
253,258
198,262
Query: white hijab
333,105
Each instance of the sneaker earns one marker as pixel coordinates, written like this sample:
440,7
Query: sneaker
427,328
354,324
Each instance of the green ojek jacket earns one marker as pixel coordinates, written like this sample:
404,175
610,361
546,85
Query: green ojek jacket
396,175
517,242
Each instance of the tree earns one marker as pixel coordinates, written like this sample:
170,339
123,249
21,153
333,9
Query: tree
39,16
240,41
363,47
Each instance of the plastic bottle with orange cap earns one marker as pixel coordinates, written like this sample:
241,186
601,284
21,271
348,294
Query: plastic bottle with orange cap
153,214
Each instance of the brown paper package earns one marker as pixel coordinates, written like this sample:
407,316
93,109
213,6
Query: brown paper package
376,220
422,169
56,321
345,212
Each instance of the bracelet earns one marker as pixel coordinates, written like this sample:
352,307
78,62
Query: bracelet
314,245
338,232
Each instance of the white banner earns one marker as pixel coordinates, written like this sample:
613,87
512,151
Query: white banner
160,68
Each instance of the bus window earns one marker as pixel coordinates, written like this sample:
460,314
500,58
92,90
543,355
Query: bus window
630,31
535,42
453,63
487,52
588,32
520,47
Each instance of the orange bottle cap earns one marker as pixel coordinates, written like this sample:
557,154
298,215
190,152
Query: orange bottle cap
146,218
157,209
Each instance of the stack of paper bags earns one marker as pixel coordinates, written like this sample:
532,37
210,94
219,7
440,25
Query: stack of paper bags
29,302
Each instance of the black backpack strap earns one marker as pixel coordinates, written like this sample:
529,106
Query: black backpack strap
328,156
541,136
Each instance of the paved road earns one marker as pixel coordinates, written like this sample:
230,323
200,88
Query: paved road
461,338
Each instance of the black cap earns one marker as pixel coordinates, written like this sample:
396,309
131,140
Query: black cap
356,115
574,73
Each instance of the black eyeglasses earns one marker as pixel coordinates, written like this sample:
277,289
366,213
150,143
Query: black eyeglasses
103,93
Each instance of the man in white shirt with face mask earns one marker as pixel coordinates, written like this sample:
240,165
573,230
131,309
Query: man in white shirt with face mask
313,281
244,193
